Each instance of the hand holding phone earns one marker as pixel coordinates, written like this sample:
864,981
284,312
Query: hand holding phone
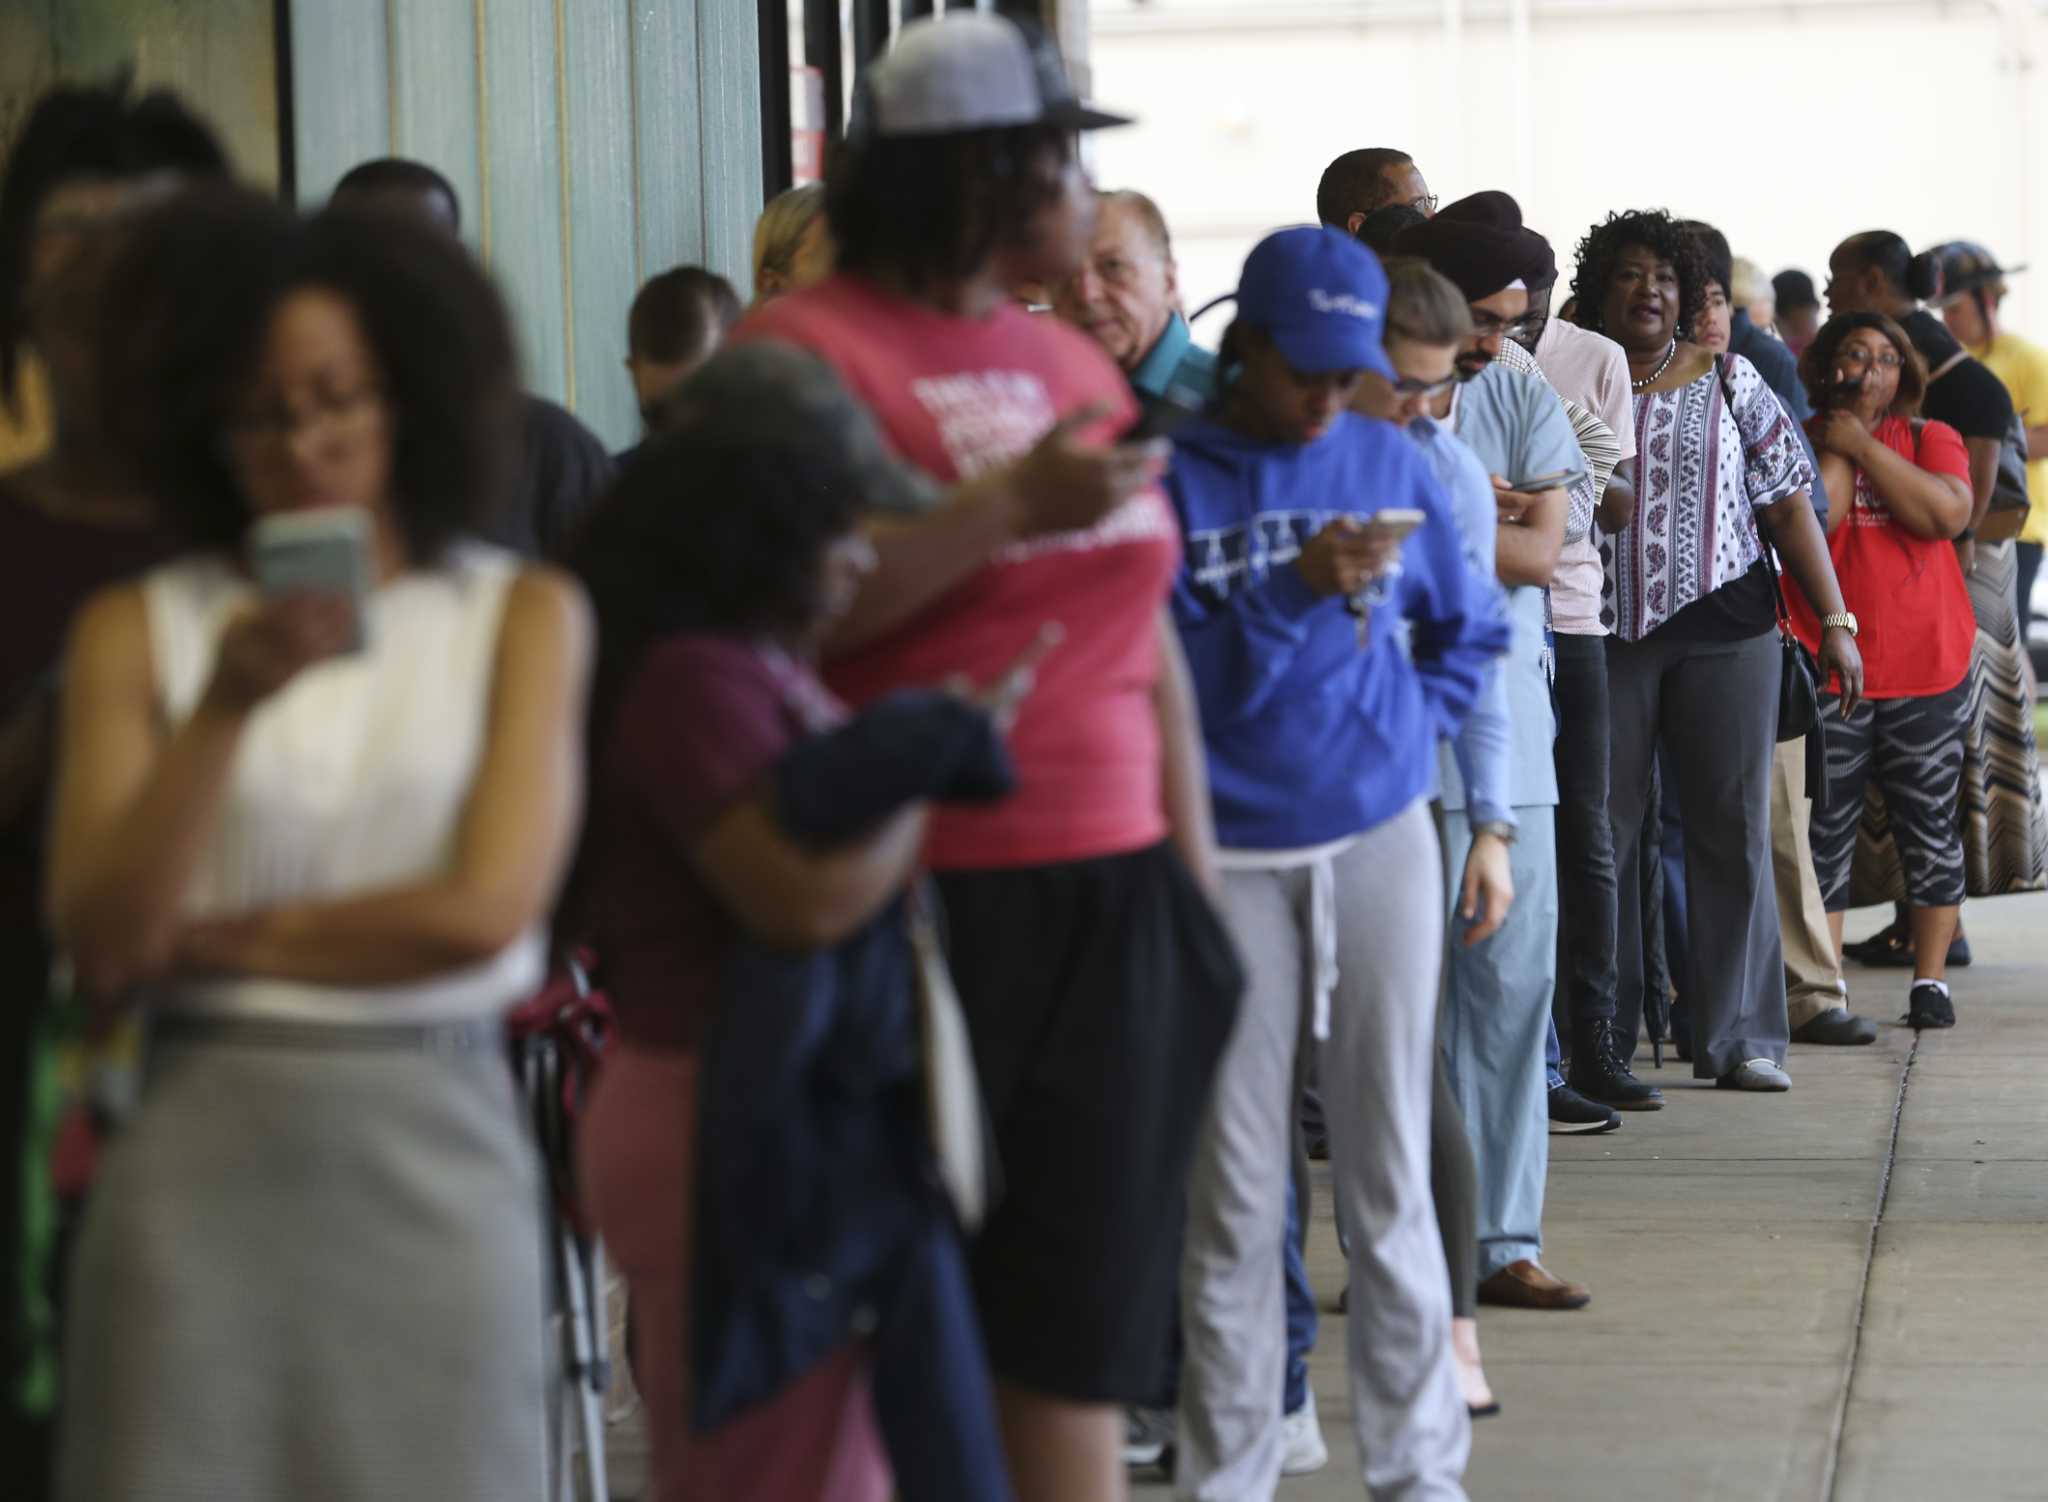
323,552
267,645
1540,483
314,570
1065,485
1395,522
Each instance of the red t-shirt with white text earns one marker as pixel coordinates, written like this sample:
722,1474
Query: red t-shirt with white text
958,397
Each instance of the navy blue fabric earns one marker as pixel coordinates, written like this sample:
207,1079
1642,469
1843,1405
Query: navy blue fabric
1312,734
819,1217
914,744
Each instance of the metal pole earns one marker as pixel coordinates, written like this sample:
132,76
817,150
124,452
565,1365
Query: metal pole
870,32
1454,87
1518,99
777,170
2017,22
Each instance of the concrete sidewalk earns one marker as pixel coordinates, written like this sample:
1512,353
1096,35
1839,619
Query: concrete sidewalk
1789,1301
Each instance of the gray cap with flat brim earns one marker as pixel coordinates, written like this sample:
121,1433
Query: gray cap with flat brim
969,71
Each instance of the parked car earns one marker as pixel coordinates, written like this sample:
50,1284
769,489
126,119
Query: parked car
2036,626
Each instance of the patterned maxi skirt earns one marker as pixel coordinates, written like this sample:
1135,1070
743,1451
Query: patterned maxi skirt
2005,829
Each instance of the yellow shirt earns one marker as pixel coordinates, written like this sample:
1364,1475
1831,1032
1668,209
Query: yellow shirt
2023,367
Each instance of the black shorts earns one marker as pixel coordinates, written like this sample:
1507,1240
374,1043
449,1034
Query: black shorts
1099,994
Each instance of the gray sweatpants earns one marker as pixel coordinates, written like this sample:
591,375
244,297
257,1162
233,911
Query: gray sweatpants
1376,1069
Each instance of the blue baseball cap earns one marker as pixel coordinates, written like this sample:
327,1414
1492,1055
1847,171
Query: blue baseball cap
1321,296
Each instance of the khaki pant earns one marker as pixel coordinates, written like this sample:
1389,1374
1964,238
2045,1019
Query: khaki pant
1813,971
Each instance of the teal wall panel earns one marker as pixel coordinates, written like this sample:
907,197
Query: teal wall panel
670,134
593,142
433,59
522,187
603,211
341,90
729,89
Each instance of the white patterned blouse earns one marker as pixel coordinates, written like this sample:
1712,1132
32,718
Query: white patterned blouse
1702,470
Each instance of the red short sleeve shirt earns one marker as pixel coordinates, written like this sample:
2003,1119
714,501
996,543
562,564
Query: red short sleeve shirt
1915,627
958,397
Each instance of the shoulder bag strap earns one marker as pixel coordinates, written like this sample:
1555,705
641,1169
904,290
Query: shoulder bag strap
1763,537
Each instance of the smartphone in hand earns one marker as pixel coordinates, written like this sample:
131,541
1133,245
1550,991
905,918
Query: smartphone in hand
1542,483
325,552
1397,520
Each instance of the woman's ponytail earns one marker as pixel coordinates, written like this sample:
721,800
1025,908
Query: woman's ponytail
1923,277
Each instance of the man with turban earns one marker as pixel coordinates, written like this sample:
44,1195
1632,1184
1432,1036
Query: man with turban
1496,1017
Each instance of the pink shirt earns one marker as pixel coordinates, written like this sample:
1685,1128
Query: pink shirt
1592,370
959,397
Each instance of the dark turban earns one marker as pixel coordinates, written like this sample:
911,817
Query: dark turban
1481,245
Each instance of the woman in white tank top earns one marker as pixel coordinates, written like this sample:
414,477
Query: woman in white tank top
312,1266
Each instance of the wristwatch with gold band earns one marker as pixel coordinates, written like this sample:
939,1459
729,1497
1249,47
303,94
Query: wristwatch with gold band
1844,619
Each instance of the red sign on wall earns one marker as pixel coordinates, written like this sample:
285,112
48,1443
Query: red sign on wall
807,124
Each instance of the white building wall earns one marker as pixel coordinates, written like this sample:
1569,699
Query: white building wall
1789,127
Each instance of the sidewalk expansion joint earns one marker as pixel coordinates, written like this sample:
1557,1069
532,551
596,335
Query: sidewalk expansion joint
1839,1429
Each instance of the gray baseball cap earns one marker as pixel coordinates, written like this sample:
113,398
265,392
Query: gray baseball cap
969,71
772,395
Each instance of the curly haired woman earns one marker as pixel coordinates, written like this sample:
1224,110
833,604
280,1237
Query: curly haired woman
1692,666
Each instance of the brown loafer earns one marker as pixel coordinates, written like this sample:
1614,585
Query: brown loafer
1526,1285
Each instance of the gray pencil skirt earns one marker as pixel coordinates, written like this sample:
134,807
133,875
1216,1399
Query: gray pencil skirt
312,1269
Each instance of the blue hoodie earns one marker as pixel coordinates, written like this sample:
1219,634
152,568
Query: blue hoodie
1311,736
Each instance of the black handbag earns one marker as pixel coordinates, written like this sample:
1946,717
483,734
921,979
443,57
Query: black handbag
1799,673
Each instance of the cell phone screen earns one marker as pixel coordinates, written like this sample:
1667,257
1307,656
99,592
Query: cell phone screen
315,552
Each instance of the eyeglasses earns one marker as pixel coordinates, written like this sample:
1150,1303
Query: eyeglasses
1408,388
1426,204
332,419
1856,354
1490,325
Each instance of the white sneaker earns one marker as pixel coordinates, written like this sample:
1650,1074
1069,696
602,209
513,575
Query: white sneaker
1148,1436
1302,1451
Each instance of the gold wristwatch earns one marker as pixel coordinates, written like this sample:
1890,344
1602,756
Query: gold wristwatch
1843,618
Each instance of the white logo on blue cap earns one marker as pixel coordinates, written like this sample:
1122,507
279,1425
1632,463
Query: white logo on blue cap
1341,302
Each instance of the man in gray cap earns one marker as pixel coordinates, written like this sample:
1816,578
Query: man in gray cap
1095,982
